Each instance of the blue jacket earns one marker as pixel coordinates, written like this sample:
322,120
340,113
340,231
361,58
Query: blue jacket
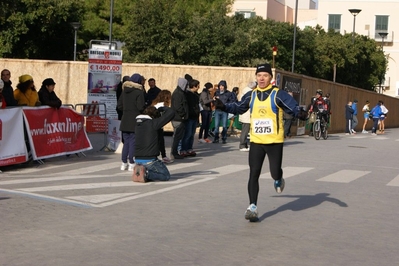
349,112
354,107
376,111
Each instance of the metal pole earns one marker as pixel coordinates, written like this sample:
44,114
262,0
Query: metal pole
293,44
353,31
110,23
74,46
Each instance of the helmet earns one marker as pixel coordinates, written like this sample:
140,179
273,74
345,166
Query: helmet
319,92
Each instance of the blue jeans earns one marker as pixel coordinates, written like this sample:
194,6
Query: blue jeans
220,120
188,139
128,150
157,171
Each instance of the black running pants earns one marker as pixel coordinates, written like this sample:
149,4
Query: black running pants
256,158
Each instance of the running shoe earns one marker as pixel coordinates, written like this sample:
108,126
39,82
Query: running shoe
201,141
251,213
279,185
208,140
191,153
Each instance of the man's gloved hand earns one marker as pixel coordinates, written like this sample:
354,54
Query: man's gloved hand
302,114
219,104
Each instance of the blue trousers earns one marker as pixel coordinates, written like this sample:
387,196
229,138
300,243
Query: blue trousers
220,120
128,150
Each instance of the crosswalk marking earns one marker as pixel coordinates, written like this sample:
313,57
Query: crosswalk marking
344,176
288,172
95,185
101,198
227,169
44,167
394,182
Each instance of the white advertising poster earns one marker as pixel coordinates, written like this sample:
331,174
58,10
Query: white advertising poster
114,135
104,75
12,140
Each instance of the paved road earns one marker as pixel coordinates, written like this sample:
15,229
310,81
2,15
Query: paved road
339,207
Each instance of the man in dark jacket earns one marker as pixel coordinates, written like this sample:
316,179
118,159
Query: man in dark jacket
47,95
148,167
221,116
152,92
131,103
180,106
8,91
349,116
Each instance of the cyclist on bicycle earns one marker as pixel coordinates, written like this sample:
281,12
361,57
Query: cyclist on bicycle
319,106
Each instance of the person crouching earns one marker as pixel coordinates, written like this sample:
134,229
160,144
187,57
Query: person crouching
148,167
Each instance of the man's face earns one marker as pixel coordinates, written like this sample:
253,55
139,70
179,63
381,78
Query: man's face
263,79
151,83
221,87
5,75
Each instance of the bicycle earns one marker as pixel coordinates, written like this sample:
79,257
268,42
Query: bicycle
320,127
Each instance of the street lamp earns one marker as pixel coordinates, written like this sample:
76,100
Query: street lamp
354,12
293,42
382,35
76,26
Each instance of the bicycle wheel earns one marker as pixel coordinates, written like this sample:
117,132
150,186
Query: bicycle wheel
316,129
324,131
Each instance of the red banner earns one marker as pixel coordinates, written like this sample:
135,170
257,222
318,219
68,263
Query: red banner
55,132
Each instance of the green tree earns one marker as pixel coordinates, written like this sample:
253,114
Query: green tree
38,29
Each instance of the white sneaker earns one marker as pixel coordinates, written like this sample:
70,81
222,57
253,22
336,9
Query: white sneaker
201,141
365,131
353,131
251,213
131,166
124,166
244,149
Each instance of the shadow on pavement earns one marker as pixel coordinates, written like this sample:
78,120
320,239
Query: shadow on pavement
303,202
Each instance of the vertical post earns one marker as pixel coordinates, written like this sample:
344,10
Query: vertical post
76,26
110,23
383,35
294,41
74,46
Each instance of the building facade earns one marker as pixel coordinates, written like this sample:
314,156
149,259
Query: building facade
372,18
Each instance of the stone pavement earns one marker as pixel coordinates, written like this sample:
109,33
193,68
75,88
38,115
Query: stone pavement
339,207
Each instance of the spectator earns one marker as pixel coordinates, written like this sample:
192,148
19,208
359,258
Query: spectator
206,112
132,103
266,104
118,95
245,119
148,167
47,95
231,117
192,121
180,106
163,97
221,116
8,91
288,122
26,94
3,103
152,92
366,115
376,113
349,118
328,102
384,111
354,120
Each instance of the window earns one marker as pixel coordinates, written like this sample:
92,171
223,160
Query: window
246,14
381,25
334,22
